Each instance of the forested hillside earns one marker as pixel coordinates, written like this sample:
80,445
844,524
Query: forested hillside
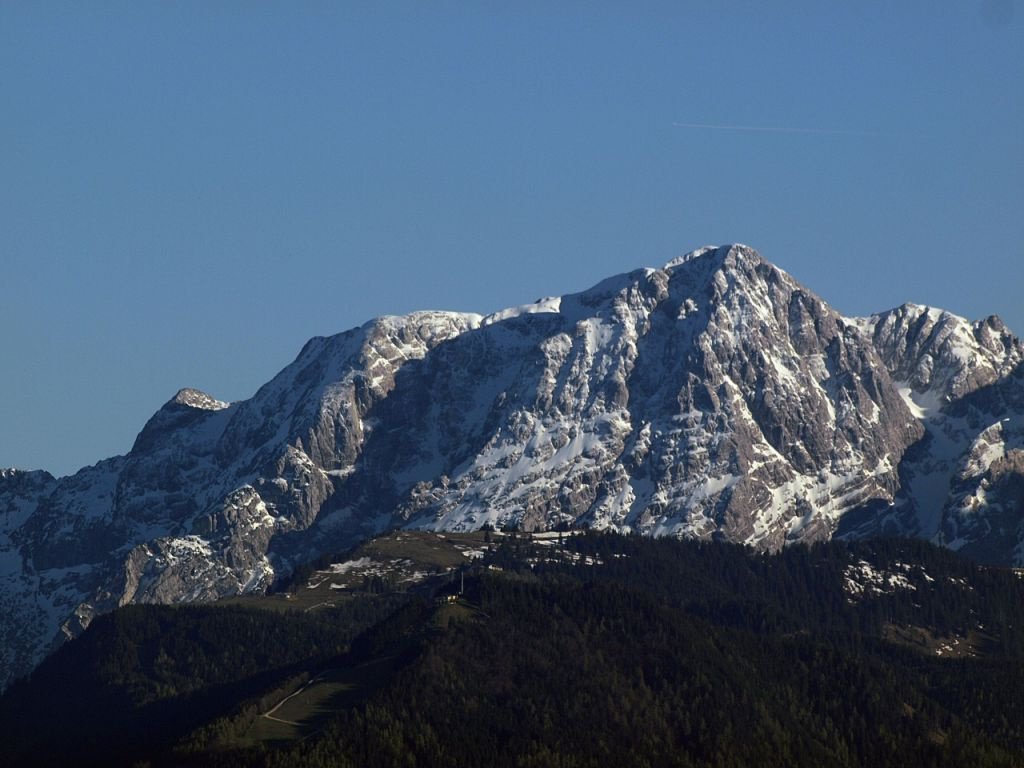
589,650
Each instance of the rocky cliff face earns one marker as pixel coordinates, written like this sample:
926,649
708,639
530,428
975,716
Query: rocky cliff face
961,483
715,397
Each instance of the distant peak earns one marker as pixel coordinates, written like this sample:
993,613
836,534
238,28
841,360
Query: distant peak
15,474
909,312
193,398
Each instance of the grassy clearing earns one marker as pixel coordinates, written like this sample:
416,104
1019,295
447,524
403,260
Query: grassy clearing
453,613
316,598
952,647
305,712
267,731
405,558
442,551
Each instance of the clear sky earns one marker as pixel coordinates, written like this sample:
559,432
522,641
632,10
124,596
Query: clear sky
189,191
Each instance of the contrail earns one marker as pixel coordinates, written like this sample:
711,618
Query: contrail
784,129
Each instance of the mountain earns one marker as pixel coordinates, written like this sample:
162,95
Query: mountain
963,483
713,398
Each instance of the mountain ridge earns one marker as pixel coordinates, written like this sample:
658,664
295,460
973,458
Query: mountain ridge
715,397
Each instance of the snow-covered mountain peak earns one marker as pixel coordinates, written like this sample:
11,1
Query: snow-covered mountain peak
722,255
177,419
964,382
715,397
11,477
937,351
194,398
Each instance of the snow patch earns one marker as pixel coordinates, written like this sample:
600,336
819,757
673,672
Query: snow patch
862,579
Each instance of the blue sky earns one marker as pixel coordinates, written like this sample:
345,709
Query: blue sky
191,190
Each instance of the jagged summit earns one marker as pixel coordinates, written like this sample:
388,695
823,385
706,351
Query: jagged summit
935,350
715,397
